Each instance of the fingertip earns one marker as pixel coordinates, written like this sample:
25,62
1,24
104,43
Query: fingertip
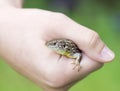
107,55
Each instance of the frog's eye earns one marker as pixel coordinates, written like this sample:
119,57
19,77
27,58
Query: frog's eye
54,43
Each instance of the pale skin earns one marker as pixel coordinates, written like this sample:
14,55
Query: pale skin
23,34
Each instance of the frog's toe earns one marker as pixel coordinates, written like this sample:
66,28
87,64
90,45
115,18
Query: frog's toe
77,66
73,62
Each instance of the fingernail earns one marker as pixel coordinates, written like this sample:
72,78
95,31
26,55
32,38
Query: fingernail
107,54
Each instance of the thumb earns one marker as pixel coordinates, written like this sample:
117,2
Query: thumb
87,40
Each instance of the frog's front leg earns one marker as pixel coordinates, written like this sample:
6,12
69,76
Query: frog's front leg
77,61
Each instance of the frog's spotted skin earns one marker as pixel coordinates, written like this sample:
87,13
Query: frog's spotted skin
67,48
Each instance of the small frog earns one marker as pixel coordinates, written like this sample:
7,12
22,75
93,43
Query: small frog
67,48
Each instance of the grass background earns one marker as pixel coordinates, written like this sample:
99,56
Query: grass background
104,18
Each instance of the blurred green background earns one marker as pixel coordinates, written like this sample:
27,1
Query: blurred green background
102,16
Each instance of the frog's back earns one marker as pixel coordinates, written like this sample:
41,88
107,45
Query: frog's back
70,46
64,46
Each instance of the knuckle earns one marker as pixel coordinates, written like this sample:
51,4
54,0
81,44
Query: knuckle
93,39
61,16
95,35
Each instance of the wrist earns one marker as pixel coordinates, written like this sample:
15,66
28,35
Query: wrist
11,3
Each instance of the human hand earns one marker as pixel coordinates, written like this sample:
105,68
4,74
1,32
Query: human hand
23,34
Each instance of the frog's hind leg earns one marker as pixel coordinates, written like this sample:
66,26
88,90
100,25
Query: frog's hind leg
77,62
76,65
